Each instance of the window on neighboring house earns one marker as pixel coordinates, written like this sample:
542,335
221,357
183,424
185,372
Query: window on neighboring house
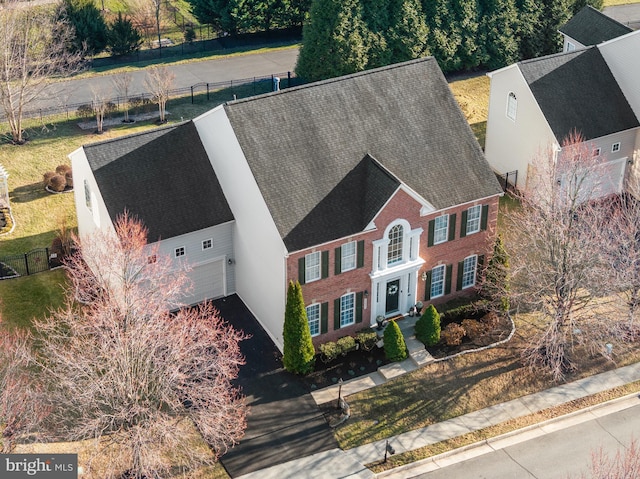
570,47
615,147
437,281
348,256
469,271
394,253
441,229
313,316
347,309
512,106
207,244
473,219
596,152
87,194
179,251
312,267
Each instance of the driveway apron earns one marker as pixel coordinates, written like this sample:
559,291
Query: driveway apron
284,422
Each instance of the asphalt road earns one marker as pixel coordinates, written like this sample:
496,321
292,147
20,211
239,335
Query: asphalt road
626,14
560,454
210,71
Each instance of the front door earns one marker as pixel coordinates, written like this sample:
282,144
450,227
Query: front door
393,296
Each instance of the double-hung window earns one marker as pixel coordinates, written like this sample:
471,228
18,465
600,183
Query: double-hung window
347,309
313,317
441,229
348,254
473,219
312,267
437,281
469,271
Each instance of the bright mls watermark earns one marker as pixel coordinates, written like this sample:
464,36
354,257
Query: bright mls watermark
45,466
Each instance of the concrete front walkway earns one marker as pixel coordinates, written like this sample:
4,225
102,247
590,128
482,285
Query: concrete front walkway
350,463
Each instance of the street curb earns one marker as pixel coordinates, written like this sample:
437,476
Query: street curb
510,438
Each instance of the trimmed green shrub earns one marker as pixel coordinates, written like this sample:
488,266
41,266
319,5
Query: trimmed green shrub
452,334
329,351
346,344
298,351
367,339
474,329
428,327
395,348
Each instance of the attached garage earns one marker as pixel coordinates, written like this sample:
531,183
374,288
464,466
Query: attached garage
609,177
208,281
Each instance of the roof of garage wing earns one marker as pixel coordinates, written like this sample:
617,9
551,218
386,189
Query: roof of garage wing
162,176
305,144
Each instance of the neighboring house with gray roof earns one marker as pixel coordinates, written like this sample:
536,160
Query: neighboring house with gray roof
535,104
590,27
370,189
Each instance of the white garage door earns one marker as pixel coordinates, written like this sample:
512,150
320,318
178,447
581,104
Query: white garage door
208,281
610,177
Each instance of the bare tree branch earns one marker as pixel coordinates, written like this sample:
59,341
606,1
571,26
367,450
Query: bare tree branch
160,82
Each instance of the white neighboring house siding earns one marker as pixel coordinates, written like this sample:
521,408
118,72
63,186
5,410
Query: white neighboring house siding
512,145
98,216
260,253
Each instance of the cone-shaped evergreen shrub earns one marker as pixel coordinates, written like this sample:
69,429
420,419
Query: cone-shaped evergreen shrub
495,286
428,327
299,354
395,348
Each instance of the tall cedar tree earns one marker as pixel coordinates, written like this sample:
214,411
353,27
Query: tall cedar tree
334,40
495,284
122,370
216,13
496,33
298,352
464,28
395,349
123,37
91,31
428,326
530,44
444,35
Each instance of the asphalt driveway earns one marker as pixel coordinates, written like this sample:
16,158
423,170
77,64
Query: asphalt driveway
284,422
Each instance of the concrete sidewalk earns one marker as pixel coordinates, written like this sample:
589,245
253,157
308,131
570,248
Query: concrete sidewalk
350,463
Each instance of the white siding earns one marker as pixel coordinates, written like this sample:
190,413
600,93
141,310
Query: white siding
622,54
512,145
260,253
98,216
567,40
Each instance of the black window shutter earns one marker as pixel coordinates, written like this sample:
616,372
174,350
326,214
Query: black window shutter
360,258
325,264
359,297
432,228
485,217
338,260
447,279
452,227
427,287
463,224
480,264
336,314
324,318
301,270
460,270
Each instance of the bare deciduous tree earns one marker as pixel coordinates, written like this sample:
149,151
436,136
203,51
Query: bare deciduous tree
160,82
33,49
121,369
142,15
625,464
100,105
122,84
554,250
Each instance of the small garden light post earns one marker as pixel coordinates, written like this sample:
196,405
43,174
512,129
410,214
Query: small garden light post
388,449
339,394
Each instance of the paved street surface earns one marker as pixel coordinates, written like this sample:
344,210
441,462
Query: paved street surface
626,14
187,74
564,453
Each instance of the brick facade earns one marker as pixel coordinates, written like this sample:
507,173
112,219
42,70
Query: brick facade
401,206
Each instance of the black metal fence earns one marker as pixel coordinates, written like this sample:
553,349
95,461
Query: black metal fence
509,180
34,261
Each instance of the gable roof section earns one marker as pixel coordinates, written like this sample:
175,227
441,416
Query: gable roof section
577,90
591,27
305,147
164,177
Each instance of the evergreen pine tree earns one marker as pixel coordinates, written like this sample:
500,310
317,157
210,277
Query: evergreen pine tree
555,13
408,34
395,348
444,36
496,33
428,327
88,24
299,354
465,25
123,38
529,42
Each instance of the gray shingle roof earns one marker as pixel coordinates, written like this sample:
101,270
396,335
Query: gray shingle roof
577,90
591,27
164,177
305,147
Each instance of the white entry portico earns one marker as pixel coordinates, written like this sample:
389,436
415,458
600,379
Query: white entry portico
394,277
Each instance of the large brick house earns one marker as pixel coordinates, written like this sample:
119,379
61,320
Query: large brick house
369,189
